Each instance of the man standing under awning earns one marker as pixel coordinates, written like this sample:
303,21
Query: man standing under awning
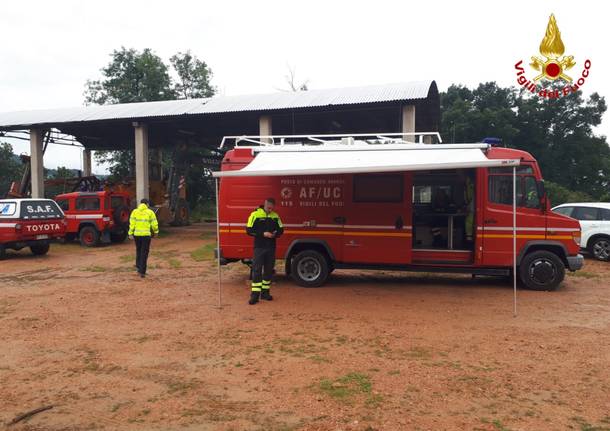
265,226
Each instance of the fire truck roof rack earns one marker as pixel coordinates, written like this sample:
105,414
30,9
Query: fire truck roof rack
332,139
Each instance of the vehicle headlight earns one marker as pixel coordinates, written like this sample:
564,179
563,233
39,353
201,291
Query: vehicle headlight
576,237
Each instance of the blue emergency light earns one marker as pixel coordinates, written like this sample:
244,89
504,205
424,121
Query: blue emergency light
494,142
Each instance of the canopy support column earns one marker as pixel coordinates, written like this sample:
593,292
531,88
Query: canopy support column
87,163
265,126
514,241
218,253
408,121
141,150
36,162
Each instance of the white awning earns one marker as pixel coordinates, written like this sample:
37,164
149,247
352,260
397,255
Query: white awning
310,161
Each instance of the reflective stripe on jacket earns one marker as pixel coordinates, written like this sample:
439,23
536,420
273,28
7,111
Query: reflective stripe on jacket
260,222
143,221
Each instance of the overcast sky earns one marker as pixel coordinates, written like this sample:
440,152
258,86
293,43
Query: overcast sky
50,48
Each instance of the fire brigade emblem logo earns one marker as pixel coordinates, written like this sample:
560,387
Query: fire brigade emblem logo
554,63
286,193
552,80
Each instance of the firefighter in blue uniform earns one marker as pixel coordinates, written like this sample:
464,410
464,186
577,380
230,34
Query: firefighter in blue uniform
265,226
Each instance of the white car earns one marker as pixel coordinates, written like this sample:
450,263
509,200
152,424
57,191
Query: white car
594,218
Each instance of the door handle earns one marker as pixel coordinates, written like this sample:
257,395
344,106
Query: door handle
340,220
490,221
399,223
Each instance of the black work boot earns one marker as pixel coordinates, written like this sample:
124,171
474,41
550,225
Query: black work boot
254,298
266,295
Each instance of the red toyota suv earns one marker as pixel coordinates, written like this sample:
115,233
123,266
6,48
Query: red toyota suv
33,223
96,217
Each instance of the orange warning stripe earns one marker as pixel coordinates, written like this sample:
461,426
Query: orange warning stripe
524,236
397,234
331,232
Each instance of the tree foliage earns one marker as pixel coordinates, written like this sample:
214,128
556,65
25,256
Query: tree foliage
557,132
10,167
143,76
193,76
61,172
131,76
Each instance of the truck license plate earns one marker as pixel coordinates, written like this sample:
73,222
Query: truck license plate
42,236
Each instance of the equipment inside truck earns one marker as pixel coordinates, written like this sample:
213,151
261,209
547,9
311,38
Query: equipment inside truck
442,207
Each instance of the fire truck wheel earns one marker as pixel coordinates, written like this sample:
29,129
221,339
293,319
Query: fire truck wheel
600,248
40,249
309,268
541,270
88,236
2,252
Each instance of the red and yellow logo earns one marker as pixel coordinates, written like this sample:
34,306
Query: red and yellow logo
551,66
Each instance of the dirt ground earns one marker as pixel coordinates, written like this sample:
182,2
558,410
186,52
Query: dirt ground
369,351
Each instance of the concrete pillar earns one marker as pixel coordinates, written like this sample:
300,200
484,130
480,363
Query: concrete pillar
408,122
264,126
36,163
141,144
87,163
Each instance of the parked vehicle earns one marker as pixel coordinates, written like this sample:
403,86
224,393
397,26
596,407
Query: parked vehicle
96,217
33,223
393,219
594,218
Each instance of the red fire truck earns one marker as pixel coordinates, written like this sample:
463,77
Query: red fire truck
96,217
33,223
379,202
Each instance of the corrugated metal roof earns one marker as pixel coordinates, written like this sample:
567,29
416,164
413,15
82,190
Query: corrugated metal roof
220,104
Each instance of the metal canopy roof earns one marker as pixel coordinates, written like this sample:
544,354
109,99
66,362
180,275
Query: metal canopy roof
221,104
323,161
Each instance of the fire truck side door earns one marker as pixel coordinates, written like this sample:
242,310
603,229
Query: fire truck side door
498,214
377,219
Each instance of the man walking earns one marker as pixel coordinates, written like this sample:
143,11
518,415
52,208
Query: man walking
265,226
143,226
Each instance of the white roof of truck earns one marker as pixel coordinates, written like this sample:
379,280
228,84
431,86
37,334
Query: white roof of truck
327,160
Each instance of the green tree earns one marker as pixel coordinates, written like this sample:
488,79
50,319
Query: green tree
62,172
193,76
131,76
558,132
142,76
10,167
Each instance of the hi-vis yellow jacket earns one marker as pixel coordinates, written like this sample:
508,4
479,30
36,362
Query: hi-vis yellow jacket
143,221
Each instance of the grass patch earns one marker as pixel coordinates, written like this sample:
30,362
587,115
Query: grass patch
205,252
95,268
499,425
181,386
174,263
319,359
374,401
127,258
347,386
419,353
165,254
586,426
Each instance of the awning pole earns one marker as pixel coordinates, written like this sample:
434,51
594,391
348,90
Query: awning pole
218,246
514,241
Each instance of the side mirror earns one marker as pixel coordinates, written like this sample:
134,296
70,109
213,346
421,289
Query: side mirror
542,195
541,189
